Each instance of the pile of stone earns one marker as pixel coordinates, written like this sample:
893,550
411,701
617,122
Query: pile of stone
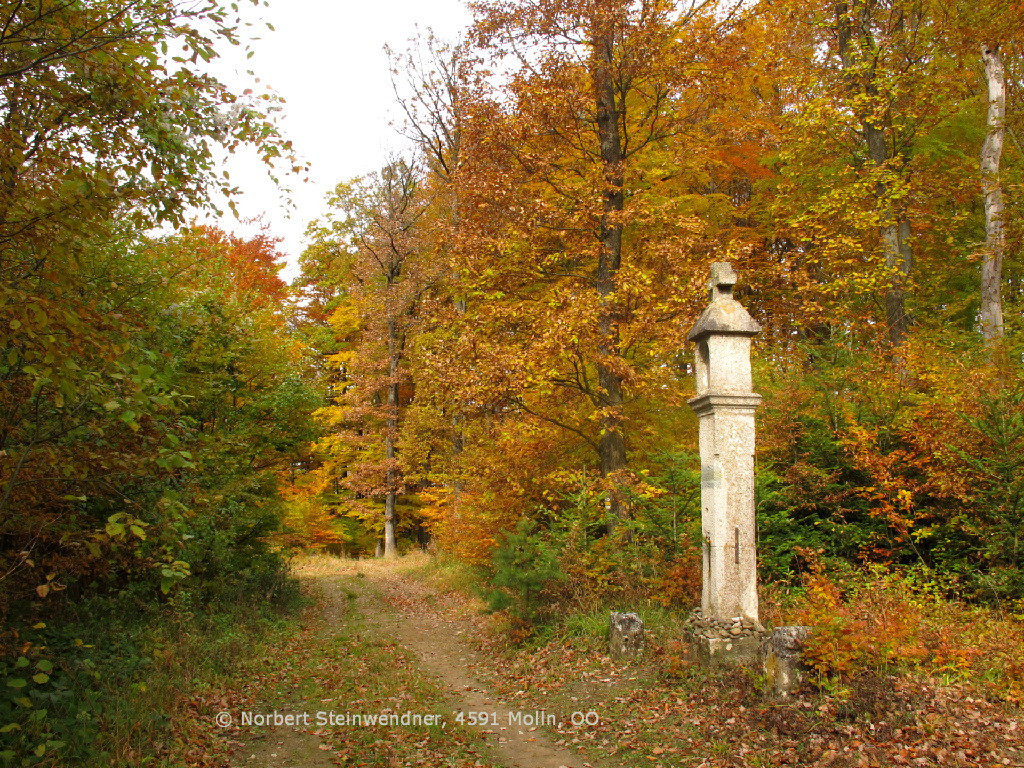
705,626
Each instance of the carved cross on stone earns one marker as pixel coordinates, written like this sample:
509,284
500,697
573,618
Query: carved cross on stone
723,278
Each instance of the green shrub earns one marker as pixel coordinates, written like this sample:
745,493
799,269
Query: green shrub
525,565
100,681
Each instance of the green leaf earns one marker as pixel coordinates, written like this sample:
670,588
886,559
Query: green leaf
40,678
44,665
16,682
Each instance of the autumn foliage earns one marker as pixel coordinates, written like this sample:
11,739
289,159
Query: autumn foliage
484,354
559,258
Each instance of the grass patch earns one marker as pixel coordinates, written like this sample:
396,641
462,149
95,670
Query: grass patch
444,573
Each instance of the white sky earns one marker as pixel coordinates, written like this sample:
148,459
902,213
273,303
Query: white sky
326,59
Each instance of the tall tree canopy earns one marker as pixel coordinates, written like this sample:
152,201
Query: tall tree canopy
587,159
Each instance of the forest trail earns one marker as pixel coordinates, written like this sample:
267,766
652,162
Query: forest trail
391,607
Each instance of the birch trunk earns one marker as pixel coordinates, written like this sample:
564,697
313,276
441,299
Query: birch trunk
995,235
390,433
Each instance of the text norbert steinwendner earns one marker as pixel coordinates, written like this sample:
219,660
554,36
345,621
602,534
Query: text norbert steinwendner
347,719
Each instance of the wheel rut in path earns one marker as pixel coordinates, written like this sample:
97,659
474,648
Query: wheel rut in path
404,610
444,652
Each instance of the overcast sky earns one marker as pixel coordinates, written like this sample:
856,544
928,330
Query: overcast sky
326,59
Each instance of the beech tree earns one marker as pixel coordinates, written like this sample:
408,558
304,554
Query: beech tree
566,219
430,81
379,229
585,160
878,98
991,30
866,31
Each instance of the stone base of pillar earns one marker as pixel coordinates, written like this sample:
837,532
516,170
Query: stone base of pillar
718,652
718,643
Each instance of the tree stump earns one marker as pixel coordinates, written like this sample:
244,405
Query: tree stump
781,657
626,635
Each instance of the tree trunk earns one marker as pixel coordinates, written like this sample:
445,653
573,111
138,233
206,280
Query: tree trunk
612,445
390,433
995,235
898,256
894,230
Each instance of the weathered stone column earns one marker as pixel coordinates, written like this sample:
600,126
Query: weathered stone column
725,403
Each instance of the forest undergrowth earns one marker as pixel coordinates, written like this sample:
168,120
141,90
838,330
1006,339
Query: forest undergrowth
910,680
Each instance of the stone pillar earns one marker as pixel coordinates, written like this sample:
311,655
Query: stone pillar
725,403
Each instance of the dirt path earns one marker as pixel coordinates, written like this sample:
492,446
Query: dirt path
284,746
442,643
394,607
